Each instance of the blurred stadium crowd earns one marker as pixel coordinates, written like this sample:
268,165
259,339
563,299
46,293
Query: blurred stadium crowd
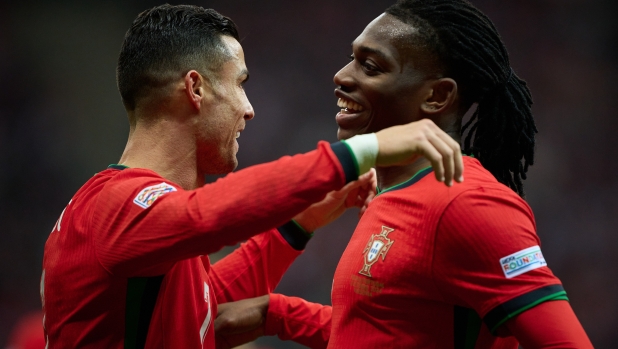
61,120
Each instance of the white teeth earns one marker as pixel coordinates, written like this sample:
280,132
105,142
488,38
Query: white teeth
349,105
237,134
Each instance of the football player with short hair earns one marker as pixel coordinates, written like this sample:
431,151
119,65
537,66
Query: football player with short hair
126,264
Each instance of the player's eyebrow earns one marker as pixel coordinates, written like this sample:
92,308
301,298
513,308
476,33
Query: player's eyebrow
366,49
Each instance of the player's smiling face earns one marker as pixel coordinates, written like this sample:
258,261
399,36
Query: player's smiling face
382,85
224,114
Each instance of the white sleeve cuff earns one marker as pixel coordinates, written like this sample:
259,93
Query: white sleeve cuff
364,150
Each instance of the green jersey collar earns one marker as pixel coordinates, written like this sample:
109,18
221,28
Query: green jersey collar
117,167
417,177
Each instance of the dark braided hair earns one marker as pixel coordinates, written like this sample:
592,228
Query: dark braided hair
471,51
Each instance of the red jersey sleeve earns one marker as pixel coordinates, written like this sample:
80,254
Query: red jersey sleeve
137,236
550,325
292,318
254,269
487,256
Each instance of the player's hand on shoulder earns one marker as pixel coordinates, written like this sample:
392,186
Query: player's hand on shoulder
358,193
404,144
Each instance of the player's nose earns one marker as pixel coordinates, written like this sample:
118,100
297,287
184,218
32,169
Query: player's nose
249,112
344,78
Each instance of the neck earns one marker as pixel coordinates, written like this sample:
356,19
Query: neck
165,147
449,121
391,176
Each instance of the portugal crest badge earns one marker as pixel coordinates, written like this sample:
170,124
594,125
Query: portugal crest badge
377,246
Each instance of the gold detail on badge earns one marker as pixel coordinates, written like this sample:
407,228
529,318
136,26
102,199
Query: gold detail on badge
377,246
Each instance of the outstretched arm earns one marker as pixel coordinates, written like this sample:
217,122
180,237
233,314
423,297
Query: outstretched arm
160,222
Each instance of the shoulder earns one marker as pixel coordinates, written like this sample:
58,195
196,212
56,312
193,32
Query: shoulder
136,178
488,217
483,208
481,192
139,186
489,199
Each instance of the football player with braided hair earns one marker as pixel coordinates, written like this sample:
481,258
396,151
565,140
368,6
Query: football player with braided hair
430,266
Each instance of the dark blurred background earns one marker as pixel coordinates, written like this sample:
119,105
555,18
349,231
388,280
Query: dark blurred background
61,120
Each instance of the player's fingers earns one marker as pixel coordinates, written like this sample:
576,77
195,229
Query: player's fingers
362,204
364,182
459,166
351,199
350,186
374,181
367,177
363,179
457,156
370,197
367,193
447,154
360,200
366,204
362,195
435,158
343,192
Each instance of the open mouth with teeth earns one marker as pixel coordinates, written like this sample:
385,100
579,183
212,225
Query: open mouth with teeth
348,106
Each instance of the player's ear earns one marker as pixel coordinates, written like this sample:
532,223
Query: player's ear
441,94
195,88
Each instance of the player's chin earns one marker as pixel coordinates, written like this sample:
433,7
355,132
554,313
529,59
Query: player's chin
343,133
224,166
231,164
230,161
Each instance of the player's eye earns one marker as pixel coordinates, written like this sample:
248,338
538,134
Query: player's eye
370,68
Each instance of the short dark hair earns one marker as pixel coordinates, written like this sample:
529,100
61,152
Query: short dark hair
471,51
165,42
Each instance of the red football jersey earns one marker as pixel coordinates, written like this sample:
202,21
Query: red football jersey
122,266
428,264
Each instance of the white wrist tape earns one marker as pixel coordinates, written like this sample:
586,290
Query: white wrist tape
365,150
